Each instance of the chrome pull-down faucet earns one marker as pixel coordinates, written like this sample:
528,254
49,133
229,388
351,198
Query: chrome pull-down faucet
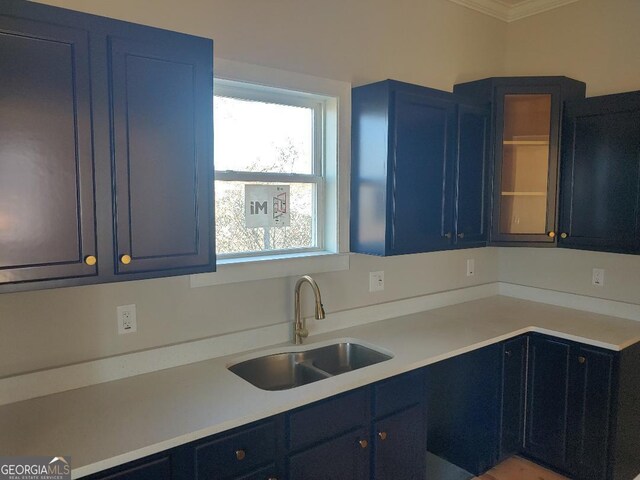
299,328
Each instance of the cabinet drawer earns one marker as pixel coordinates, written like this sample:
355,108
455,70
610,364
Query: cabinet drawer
267,473
328,418
398,393
157,469
236,454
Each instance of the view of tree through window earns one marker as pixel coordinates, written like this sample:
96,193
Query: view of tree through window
265,143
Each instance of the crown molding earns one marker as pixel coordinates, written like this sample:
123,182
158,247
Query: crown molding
509,13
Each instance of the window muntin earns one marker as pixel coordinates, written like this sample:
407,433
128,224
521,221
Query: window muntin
268,136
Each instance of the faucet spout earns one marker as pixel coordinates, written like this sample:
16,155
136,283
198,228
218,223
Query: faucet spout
300,329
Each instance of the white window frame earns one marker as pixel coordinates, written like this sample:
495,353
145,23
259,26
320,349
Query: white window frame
317,103
334,254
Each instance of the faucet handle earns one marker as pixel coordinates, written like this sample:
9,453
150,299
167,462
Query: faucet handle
302,332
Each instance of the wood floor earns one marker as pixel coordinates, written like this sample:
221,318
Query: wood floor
516,468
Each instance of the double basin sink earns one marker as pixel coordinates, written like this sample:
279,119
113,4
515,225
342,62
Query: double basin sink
282,371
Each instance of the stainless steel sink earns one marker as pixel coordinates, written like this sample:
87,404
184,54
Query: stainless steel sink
283,371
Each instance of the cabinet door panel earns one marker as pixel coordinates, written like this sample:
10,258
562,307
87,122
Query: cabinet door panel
468,385
526,170
601,174
547,400
162,149
420,193
47,223
591,413
340,458
400,446
514,367
471,175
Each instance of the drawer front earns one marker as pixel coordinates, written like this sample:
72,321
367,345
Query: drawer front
267,473
342,458
157,469
328,418
398,393
236,454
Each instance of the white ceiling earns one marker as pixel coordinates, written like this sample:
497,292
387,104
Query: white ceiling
510,10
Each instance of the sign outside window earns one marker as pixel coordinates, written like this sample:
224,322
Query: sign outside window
267,206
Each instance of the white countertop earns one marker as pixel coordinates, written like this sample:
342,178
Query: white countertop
112,423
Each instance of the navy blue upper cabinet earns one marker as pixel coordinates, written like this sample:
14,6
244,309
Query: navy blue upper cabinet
405,167
161,88
526,120
106,166
47,201
600,191
471,171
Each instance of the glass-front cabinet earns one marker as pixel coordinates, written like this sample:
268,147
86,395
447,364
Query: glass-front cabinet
526,164
526,117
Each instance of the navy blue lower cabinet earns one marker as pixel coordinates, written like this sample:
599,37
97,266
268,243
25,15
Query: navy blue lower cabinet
463,409
514,377
345,457
157,467
590,412
237,455
400,446
548,400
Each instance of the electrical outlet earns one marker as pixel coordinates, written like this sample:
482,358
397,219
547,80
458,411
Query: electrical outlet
127,319
597,278
376,281
471,267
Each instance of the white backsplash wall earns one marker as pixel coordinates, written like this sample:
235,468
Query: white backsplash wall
570,271
57,327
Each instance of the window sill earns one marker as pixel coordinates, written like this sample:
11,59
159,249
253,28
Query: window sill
262,268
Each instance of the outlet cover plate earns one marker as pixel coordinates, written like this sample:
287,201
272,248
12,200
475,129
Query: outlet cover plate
127,322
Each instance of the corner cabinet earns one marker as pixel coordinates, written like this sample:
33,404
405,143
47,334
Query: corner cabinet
600,193
418,170
526,124
106,168
570,406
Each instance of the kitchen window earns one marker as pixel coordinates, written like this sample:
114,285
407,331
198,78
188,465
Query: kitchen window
270,171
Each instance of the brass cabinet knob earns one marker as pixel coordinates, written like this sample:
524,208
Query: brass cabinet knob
461,235
382,435
552,234
125,259
447,235
563,235
240,454
90,260
581,359
363,443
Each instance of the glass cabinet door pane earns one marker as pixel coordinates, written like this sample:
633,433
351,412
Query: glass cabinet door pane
525,163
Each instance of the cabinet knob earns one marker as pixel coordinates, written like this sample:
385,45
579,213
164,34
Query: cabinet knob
508,353
582,359
382,435
363,443
272,478
240,454
90,260
447,235
461,235
552,234
125,259
563,235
